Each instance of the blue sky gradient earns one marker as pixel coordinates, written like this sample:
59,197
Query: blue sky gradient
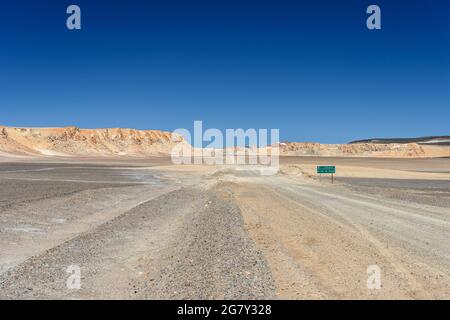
311,69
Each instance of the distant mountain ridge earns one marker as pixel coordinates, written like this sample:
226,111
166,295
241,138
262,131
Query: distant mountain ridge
120,142
432,140
72,141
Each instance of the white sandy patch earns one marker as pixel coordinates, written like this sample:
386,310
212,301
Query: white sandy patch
47,152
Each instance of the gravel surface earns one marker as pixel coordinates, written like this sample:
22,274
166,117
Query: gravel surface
426,192
184,244
28,182
414,184
177,233
214,258
331,234
14,192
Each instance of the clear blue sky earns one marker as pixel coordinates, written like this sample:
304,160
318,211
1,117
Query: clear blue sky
311,69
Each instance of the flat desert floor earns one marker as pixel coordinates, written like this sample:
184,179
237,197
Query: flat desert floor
147,229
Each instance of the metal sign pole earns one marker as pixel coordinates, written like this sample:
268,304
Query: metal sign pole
328,170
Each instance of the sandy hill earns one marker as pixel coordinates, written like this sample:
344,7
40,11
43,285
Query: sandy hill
73,141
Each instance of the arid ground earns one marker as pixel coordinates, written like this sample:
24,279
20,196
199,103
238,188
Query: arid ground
147,229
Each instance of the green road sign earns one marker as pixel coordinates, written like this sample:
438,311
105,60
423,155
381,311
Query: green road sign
326,169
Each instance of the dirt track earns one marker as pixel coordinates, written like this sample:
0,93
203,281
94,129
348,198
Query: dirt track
321,239
141,241
173,232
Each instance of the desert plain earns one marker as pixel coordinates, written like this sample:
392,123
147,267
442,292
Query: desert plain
145,228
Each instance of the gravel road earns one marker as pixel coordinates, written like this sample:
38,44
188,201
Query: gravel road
186,243
142,232
335,232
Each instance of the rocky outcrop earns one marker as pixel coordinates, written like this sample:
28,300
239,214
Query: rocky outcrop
86,142
73,141
409,150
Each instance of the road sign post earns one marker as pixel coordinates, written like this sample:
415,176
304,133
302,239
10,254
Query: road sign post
327,169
